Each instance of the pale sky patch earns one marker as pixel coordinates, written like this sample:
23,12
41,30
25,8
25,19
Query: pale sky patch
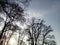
34,13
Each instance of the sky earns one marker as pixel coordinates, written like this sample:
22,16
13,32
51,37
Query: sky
48,10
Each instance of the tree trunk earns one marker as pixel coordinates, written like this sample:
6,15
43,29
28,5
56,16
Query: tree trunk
43,40
35,41
2,31
32,41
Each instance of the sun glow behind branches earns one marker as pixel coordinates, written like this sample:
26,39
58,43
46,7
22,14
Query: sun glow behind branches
14,39
12,42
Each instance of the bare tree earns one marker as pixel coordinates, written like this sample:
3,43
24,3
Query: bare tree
34,30
38,28
14,12
46,31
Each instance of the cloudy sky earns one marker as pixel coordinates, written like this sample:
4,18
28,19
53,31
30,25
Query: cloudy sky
49,10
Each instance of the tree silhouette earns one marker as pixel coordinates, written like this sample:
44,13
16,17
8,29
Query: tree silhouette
38,28
34,30
46,31
14,12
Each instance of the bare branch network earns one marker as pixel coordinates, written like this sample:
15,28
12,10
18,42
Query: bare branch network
17,30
